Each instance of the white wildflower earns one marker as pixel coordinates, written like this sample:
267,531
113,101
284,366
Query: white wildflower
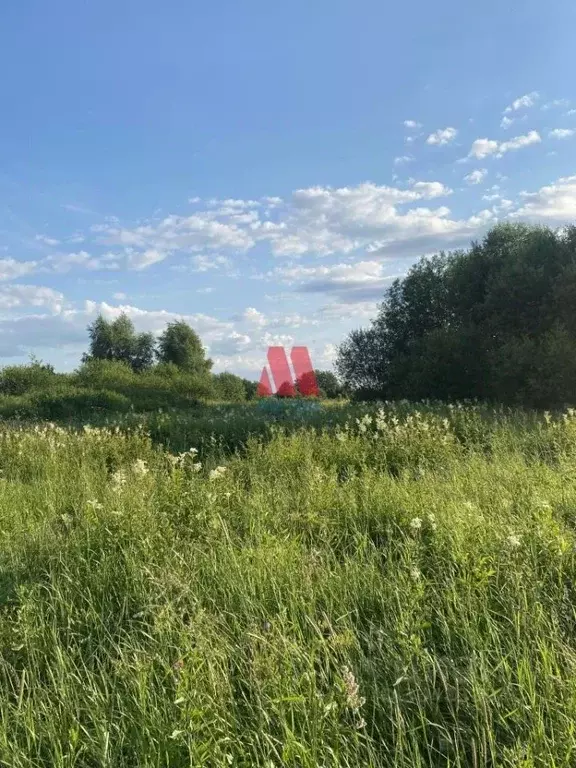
416,524
415,574
514,541
353,700
216,473
119,479
140,467
95,504
432,520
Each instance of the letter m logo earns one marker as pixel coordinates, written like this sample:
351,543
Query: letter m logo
285,380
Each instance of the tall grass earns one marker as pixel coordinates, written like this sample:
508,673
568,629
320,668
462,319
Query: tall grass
355,587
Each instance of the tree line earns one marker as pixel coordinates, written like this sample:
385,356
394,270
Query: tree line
495,322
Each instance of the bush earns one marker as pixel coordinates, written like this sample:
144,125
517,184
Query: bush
229,387
78,403
19,379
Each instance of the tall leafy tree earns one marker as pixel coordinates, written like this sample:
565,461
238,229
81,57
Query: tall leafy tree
181,345
328,384
118,340
495,321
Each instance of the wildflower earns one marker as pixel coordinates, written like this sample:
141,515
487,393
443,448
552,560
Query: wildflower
432,521
95,504
118,479
514,541
415,574
416,524
544,505
216,473
353,700
140,467
360,723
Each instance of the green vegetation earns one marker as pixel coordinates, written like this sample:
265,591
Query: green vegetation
496,322
356,586
191,579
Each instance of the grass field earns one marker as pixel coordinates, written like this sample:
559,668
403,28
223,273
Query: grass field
349,586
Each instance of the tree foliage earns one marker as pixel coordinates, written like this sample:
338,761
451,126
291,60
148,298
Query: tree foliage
117,340
180,344
229,387
328,384
497,321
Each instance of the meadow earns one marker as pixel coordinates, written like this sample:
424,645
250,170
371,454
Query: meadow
289,584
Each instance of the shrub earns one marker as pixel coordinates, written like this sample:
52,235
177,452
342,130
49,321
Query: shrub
19,379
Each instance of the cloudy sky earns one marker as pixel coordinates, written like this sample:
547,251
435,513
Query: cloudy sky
263,169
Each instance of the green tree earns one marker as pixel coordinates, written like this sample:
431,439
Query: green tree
251,388
117,340
328,383
228,386
494,321
180,344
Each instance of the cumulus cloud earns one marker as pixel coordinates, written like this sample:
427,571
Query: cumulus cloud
403,159
12,296
351,283
253,317
10,269
484,147
555,202
477,176
47,240
315,220
412,124
204,230
442,136
561,133
506,122
524,102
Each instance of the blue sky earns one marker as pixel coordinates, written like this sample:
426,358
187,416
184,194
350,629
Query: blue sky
264,169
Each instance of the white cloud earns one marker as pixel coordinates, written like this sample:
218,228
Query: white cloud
120,296
12,296
442,136
477,176
47,240
412,124
571,112
532,137
506,122
484,147
64,262
524,102
561,133
324,220
204,230
316,220
351,283
11,269
554,202
403,159
555,103
253,317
